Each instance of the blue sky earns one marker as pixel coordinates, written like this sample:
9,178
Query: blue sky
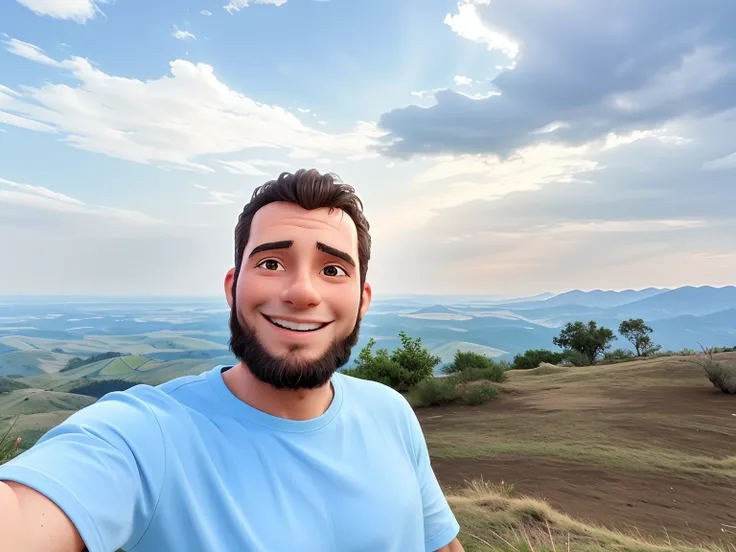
500,146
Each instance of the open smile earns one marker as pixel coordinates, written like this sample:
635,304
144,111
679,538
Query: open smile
302,327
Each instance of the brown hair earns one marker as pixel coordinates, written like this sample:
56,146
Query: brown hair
310,190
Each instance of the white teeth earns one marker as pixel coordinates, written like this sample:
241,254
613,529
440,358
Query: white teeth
297,326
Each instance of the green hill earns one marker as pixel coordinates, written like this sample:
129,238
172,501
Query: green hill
39,401
9,384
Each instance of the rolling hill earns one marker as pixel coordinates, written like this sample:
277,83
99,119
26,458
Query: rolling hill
39,401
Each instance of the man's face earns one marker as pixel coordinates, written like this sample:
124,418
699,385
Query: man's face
298,300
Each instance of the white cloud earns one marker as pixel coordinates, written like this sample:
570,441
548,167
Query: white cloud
723,163
468,24
303,110
268,163
321,122
29,51
182,35
43,198
241,167
237,5
173,120
463,81
80,11
206,12
218,198
22,122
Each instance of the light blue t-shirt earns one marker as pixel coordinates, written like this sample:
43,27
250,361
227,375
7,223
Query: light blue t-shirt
188,467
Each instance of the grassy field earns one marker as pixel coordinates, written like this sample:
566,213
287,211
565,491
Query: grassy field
639,456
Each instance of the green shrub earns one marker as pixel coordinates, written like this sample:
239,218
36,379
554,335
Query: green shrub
470,366
619,354
492,373
476,395
379,368
575,358
415,359
534,357
468,359
402,369
434,392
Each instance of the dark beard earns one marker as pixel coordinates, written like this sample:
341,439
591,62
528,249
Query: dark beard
285,372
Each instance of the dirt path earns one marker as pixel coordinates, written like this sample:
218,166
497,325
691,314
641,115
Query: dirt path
650,503
663,407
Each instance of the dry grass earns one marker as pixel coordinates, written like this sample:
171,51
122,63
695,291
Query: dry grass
722,377
460,445
493,520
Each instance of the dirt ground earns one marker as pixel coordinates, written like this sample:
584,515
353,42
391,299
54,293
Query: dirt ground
656,409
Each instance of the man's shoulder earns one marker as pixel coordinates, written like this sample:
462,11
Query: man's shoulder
147,400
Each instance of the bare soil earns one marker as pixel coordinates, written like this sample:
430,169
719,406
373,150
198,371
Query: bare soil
662,406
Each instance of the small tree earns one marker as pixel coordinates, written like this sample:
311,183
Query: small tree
402,369
415,359
532,358
637,332
589,340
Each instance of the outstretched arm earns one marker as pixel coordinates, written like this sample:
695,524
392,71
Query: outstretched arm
454,546
30,522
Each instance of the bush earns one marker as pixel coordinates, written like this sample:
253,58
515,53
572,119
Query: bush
721,377
619,354
414,358
534,357
493,373
468,359
434,392
575,358
477,394
444,391
402,369
469,366
379,368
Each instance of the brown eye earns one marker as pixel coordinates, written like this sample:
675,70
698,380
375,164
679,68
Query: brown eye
333,271
270,264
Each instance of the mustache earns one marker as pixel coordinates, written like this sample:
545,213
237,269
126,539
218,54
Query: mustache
288,371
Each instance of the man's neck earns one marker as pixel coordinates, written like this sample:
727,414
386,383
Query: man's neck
304,404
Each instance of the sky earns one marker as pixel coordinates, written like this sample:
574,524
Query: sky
503,147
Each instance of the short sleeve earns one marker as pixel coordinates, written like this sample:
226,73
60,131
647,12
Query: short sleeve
440,525
104,467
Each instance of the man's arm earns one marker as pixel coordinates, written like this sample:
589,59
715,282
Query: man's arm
92,481
454,546
30,522
440,526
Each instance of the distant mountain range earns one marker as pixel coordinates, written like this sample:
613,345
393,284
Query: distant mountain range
38,338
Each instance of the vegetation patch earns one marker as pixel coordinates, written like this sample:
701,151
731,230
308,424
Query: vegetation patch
99,388
492,519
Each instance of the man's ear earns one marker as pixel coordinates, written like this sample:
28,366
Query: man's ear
229,281
367,294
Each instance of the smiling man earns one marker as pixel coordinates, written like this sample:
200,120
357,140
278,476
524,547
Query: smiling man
279,452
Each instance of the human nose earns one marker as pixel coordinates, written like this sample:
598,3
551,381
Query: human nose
301,293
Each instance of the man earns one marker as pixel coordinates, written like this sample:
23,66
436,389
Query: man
277,453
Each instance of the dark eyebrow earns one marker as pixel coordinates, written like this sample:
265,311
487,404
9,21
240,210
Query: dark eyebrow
335,253
270,246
